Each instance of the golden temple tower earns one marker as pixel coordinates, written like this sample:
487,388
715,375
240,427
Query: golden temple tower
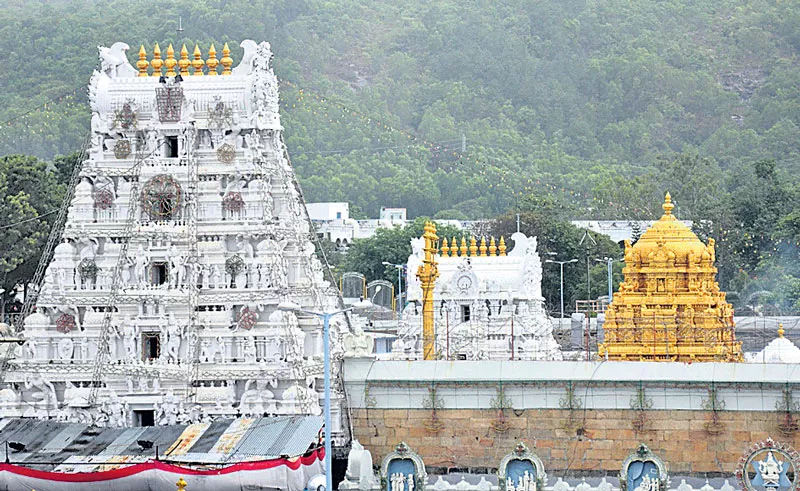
670,308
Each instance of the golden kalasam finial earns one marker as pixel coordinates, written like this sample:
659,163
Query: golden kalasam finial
157,62
668,206
473,246
142,64
212,61
226,60
170,62
198,62
502,247
181,484
482,248
184,61
780,330
454,247
492,248
445,249
462,251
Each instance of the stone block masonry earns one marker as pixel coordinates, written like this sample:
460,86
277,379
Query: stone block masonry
580,418
577,442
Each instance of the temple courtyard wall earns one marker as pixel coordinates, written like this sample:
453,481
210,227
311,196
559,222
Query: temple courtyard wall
579,418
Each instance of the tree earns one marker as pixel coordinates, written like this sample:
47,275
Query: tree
392,245
562,241
30,195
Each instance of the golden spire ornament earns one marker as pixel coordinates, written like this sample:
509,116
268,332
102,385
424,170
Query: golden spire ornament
445,249
226,60
212,61
502,247
463,249
184,62
454,247
492,248
157,62
142,64
473,246
170,62
483,247
198,62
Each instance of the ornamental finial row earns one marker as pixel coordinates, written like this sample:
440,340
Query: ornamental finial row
473,250
184,62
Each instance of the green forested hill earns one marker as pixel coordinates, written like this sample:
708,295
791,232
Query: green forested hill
463,108
568,93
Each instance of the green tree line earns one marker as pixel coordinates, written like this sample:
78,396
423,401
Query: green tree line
466,109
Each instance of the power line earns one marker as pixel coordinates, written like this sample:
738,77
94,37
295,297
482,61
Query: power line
5,227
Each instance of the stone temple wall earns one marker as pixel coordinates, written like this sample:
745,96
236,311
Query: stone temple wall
578,442
581,418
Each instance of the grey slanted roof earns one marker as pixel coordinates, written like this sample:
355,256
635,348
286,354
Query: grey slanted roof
69,446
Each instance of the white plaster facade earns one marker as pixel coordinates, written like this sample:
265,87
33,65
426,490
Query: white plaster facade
185,232
485,307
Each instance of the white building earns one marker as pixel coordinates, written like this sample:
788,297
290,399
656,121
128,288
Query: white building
184,233
488,304
332,222
619,230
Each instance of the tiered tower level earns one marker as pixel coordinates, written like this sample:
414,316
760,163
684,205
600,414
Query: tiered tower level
185,232
670,308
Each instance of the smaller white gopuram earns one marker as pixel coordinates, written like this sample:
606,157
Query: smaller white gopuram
488,303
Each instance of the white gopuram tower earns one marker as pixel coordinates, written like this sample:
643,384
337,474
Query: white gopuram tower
487,303
186,230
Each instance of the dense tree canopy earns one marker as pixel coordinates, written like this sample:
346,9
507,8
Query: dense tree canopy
464,109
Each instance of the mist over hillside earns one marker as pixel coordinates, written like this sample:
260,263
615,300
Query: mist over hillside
453,107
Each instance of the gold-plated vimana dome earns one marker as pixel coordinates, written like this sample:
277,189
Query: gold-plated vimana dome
670,308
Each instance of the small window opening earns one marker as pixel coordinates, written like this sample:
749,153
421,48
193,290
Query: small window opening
158,273
465,313
145,418
172,147
151,346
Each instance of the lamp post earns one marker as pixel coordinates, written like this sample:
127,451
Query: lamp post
326,321
561,263
609,261
400,268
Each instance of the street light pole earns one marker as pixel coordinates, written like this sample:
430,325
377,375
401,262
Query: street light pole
609,261
326,321
561,263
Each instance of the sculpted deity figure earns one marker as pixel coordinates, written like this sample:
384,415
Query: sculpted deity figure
89,249
42,390
647,484
142,261
65,348
259,399
398,482
249,349
30,348
216,276
168,410
177,268
172,333
130,333
358,343
770,470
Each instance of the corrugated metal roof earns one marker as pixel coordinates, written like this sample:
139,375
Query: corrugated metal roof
289,437
50,444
